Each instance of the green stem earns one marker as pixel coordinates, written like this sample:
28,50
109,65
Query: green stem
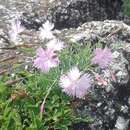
47,94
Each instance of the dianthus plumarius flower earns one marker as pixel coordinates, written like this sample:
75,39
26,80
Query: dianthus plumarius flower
102,57
55,45
46,31
16,29
46,59
74,83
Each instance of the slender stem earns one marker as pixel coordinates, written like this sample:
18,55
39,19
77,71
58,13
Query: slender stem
48,92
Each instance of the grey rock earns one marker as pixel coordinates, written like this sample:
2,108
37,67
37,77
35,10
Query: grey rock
63,13
119,68
71,13
124,109
121,123
129,100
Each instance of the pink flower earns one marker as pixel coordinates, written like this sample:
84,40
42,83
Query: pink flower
100,80
46,59
74,83
102,57
42,108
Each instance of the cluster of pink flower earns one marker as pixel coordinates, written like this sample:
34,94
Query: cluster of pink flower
74,83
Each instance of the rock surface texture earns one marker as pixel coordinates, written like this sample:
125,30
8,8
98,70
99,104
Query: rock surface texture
63,13
72,13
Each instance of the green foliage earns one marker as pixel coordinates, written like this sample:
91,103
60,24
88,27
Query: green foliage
126,7
20,105
77,55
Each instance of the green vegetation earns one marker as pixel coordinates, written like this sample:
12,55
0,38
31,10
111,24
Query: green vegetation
126,7
20,103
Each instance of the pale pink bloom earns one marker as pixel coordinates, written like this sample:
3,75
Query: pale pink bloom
46,59
55,45
113,76
74,83
100,80
102,57
46,31
42,108
16,29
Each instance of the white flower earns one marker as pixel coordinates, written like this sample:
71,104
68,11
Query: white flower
48,26
73,74
74,83
46,31
16,29
50,1
55,45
